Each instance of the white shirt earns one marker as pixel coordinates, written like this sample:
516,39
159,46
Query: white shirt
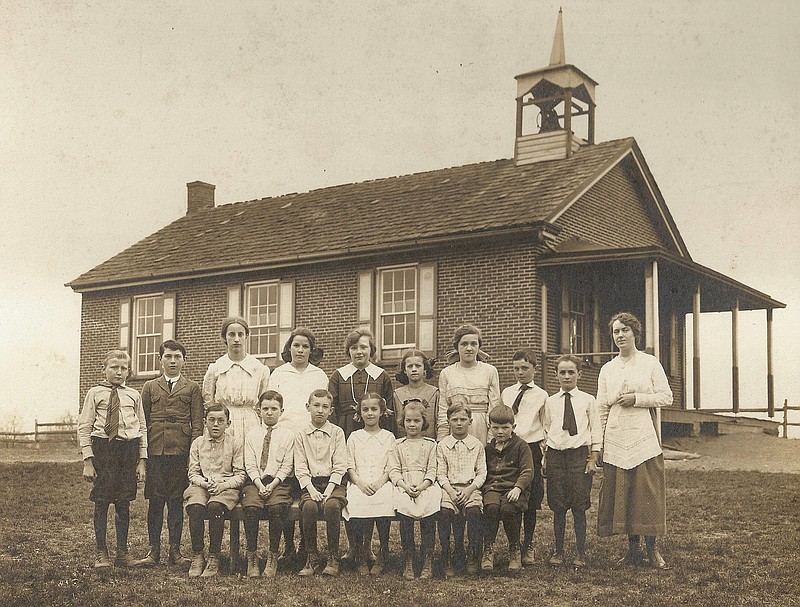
295,387
587,419
281,453
528,420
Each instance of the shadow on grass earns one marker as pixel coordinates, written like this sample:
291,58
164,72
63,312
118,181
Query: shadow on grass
733,540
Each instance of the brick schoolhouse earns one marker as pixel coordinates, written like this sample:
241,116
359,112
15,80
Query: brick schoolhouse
538,250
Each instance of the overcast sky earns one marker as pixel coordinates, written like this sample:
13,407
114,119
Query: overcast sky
109,109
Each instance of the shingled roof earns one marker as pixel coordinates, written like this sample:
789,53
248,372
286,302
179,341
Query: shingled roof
372,215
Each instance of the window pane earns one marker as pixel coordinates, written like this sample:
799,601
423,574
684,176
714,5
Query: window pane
148,325
262,315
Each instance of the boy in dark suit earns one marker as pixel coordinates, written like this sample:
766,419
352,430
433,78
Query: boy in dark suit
173,407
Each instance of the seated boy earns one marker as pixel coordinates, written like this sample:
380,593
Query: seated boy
572,427
461,472
320,461
526,400
215,474
268,461
173,407
113,437
509,472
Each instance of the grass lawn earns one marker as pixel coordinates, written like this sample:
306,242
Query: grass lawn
733,540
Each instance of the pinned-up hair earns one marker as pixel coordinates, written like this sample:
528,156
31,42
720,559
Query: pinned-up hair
356,334
629,320
427,363
234,320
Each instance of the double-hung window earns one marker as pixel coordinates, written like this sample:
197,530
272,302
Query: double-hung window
145,322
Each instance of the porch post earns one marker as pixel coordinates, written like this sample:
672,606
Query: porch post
735,355
543,360
770,378
566,346
651,309
696,347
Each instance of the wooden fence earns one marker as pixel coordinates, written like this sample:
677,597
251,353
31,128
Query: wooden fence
41,432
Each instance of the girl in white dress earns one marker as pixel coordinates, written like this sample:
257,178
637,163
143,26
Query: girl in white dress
470,382
412,470
236,379
369,493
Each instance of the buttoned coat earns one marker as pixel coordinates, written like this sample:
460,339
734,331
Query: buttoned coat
174,419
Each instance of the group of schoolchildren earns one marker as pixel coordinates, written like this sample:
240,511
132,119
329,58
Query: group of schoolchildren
365,454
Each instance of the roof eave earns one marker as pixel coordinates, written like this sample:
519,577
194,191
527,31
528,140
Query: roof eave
542,231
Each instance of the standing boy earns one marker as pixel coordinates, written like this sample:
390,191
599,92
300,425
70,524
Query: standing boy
509,474
526,400
173,407
573,440
268,461
461,464
215,474
113,439
320,461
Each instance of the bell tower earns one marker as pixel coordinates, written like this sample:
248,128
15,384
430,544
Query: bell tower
548,102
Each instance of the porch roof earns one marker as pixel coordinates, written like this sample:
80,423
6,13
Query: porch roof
724,289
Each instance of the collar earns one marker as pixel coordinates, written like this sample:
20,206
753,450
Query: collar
573,392
174,380
210,439
289,368
450,442
326,428
373,370
250,364
109,385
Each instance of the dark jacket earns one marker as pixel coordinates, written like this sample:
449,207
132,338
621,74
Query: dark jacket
174,419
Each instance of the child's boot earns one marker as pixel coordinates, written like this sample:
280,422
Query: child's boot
176,557
271,568
408,570
654,557
528,556
312,560
102,560
473,560
427,566
447,564
579,561
487,562
380,562
212,566
124,559
514,559
150,559
198,564
252,564
556,559
332,568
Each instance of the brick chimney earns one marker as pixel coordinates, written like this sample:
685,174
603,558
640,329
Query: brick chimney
200,196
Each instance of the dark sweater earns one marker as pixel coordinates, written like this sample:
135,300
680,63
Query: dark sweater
509,468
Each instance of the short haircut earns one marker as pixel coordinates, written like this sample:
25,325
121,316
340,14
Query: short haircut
401,375
116,354
353,337
467,330
569,358
416,405
372,396
457,408
629,320
234,320
270,395
214,407
286,354
501,414
320,393
171,344
528,355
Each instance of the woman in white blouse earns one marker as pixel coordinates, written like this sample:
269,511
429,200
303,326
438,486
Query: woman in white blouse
632,494
236,379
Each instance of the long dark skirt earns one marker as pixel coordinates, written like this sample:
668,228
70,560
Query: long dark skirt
633,501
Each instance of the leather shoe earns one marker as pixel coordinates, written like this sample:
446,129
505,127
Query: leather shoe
656,561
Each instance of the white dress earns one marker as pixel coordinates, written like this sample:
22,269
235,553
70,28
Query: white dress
368,455
478,387
295,387
237,385
413,461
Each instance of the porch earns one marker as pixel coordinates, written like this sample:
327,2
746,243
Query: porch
581,288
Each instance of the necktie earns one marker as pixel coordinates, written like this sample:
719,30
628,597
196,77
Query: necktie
112,417
518,400
171,384
265,448
569,416
460,447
